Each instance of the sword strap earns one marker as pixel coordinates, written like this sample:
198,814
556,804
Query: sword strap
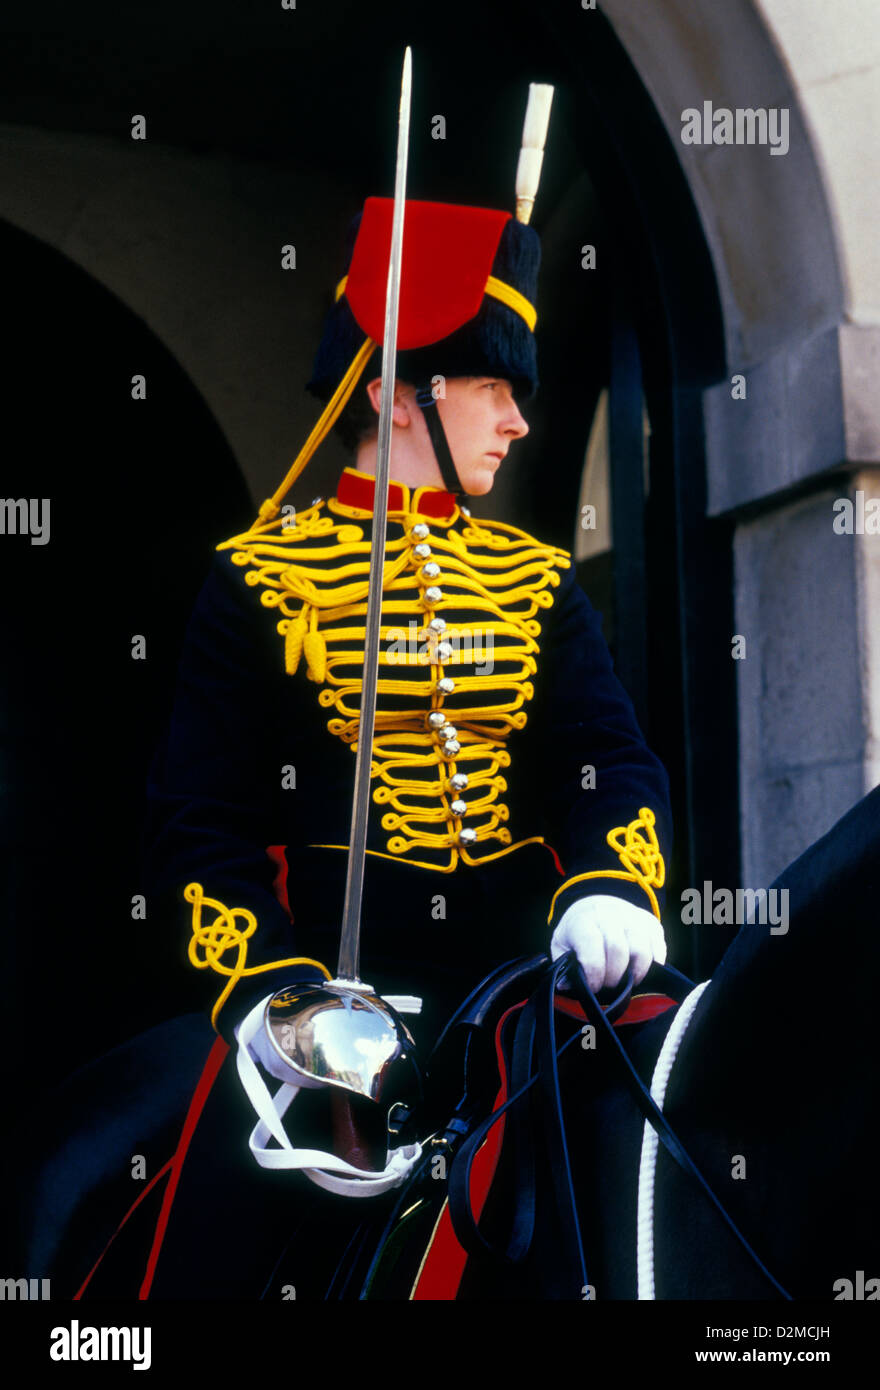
326,1170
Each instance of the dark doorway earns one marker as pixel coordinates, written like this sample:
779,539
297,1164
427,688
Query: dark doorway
139,492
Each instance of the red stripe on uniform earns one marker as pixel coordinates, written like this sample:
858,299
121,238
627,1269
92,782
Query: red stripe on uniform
278,855
216,1058
135,1204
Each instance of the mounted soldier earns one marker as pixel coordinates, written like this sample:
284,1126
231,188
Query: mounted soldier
476,848
476,836
484,841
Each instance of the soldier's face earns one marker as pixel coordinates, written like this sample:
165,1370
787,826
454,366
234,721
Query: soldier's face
481,420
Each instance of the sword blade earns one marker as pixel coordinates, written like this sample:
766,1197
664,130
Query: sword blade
349,947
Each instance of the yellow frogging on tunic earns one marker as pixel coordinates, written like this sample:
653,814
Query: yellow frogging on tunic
483,584
640,857
222,935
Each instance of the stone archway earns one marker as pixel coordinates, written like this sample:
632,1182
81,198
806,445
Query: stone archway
795,254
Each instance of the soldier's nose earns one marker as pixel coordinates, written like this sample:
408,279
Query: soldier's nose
516,425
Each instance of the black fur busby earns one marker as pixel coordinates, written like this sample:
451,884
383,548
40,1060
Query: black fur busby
497,341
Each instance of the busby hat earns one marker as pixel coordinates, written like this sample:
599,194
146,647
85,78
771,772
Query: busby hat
467,301
468,285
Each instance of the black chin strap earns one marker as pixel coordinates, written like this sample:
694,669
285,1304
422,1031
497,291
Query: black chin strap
428,405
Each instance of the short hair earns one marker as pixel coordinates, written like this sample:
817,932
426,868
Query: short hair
358,421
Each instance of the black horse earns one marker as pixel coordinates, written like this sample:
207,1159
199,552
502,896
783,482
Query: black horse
759,1182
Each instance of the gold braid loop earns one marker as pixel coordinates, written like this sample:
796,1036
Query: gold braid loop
217,937
640,857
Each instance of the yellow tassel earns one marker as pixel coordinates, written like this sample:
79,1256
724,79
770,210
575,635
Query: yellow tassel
293,643
316,651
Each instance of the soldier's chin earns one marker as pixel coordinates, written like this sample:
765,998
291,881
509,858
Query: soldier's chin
480,481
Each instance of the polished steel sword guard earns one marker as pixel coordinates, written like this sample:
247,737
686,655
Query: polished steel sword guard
343,1036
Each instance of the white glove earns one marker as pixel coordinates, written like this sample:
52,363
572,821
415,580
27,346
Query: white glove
607,934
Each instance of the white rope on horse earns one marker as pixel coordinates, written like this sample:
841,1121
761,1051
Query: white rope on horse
650,1141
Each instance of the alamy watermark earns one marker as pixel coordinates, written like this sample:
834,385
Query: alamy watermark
859,1289
727,907
856,516
76,1343
25,516
24,1290
420,646
746,125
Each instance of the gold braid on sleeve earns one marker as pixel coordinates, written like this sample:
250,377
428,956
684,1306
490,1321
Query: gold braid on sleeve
638,852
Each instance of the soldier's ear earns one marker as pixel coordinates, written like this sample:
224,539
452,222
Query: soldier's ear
403,406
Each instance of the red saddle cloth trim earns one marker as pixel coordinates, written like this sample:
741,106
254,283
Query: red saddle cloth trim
445,1262
640,1008
448,253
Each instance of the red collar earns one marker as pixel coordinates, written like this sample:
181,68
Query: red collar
357,489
